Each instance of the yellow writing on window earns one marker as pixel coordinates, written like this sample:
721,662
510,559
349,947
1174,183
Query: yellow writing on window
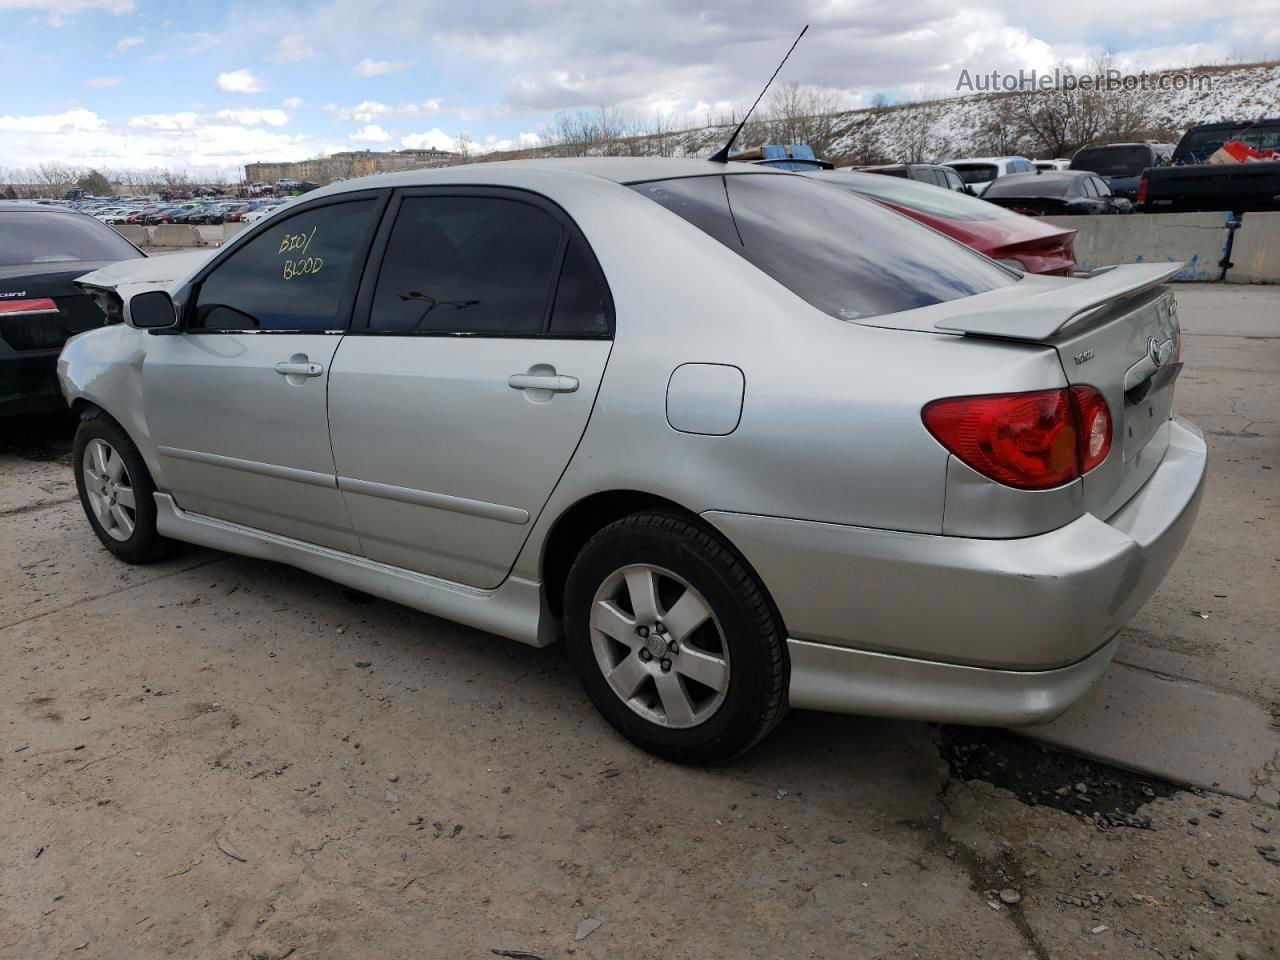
301,267
296,241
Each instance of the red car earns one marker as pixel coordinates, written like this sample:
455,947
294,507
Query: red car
1026,243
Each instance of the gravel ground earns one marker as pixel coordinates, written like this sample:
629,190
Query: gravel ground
217,757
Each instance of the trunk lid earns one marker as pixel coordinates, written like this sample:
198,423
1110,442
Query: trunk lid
53,281
1117,332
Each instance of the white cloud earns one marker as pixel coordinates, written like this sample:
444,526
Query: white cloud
366,111
292,48
62,12
107,81
370,134
183,120
77,119
293,103
433,139
254,118
377,68
200,42
240,81
128,43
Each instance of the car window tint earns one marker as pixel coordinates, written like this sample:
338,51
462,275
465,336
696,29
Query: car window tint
292,276
845,255
466,265
1085,186
1100,187
975,172
581,307
33,236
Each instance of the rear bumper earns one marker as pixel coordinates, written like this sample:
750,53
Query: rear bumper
29,384
953,628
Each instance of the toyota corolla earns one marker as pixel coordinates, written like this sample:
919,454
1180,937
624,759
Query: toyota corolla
744,440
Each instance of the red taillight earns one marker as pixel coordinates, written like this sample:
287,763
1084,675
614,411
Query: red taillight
26,308
1032,441
1140,197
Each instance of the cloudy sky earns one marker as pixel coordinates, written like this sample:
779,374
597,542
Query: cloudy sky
201,85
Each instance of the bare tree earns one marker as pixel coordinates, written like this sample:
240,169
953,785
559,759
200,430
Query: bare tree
1002,133
809,115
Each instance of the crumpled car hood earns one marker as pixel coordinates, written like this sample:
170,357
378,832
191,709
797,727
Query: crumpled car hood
151,273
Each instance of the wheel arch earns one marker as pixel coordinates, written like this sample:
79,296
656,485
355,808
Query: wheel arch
586,517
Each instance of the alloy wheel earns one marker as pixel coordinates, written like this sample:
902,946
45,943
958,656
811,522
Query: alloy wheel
659,645
109,489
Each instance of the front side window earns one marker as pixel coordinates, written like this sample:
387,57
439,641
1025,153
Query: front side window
295,275
845,255
455,264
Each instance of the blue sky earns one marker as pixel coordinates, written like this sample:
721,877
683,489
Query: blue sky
146,83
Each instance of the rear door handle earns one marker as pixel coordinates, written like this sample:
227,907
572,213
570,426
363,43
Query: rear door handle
287,368
554,383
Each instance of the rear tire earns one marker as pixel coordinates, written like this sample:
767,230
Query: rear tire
117,492
674,639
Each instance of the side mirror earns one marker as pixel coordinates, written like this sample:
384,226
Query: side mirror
152,310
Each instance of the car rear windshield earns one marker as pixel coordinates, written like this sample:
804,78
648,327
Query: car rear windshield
845,255
1197,146
32,236
1040,185
1113,161
921,197
975,172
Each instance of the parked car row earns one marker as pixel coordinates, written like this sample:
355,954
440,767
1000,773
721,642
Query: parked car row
150,211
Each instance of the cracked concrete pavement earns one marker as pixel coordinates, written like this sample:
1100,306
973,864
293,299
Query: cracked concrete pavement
191,764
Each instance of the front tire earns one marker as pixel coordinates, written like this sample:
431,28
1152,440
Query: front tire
674,639
117,492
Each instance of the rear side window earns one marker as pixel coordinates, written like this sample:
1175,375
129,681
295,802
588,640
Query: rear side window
479,265
31,236
845,255
296,275
581,306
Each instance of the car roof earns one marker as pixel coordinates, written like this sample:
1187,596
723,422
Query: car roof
26,206
1046,176
1012,156
621,170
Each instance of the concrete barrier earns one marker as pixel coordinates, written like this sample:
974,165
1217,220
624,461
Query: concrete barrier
229,230
1255,255
176,235
1197,239
134,233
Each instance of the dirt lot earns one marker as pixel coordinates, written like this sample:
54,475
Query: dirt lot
221,758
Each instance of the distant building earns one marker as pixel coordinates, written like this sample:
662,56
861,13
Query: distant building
348,164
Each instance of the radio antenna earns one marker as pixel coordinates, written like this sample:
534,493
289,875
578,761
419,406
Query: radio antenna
722,155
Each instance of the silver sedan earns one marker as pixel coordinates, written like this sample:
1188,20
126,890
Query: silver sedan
743,439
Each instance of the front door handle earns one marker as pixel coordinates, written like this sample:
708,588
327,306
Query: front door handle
553,383
290,368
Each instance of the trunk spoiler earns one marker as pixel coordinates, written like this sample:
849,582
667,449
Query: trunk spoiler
1044,314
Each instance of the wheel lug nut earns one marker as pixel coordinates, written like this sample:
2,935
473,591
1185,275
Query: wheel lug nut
643,631
645,655
666,665
660,628
673,646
